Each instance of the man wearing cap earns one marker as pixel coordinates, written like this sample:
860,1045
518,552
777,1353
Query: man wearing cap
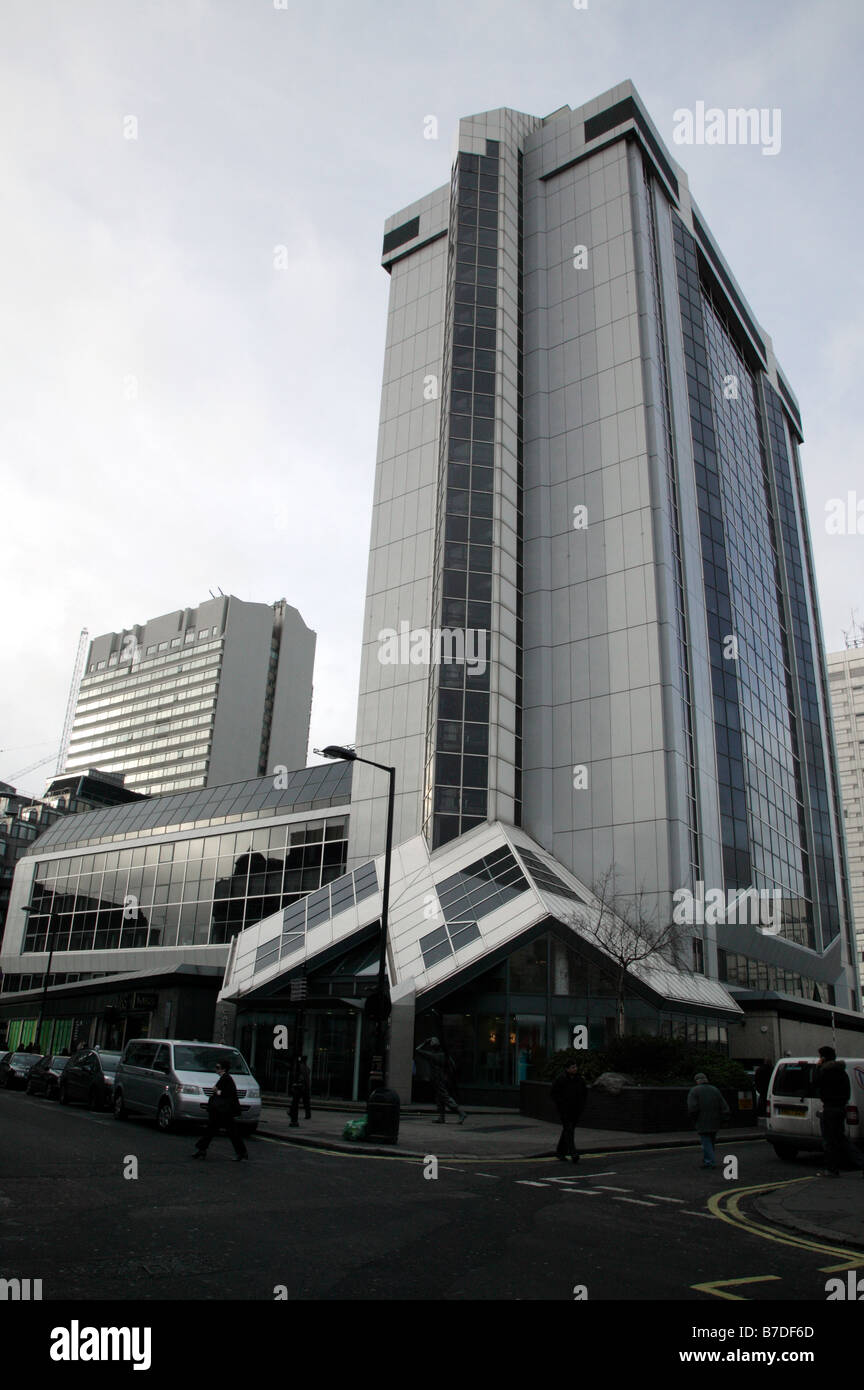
707,1109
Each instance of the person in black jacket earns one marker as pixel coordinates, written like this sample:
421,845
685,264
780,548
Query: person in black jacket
761,1080
432,1053
569,1093
223,1107
834,1091
300,1091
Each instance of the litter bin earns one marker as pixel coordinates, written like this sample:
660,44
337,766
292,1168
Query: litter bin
382,1110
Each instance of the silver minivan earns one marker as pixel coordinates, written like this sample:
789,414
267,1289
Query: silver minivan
172,1079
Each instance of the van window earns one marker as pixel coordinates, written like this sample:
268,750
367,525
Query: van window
204,1059
795,1079
140,1054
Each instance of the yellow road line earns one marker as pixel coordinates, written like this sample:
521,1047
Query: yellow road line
471,1158
718,1284
726,1205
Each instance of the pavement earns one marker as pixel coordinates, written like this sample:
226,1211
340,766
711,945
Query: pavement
488,1133
830,1209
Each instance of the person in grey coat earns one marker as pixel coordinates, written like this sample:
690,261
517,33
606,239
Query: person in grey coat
707,1109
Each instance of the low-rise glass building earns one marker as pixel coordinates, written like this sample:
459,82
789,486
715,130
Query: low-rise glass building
160,884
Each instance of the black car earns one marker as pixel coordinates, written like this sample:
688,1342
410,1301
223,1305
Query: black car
15,1069
44,1078
89,1076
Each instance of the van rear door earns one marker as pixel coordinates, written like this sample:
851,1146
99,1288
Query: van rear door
794,1104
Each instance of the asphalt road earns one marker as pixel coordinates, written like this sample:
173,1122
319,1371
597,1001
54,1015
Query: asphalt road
308,1224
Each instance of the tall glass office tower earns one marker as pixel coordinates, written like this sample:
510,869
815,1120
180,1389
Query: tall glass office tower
588,467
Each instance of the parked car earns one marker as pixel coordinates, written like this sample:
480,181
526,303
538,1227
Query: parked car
15,1069
89,1076
794,1106
170,1080
44,1078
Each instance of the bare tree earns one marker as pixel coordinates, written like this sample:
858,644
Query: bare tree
622,929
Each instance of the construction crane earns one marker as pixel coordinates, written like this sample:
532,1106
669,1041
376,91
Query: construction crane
73,700
22,771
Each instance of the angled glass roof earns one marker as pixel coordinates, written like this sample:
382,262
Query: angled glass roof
307,789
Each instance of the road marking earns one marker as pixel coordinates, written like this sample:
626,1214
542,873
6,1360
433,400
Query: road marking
493,1176
635,1200
718,1284
847,1264
604,1187
582,1191
658,1198
523,1182
735,1217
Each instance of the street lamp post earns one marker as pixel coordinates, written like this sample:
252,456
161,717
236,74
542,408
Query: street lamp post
380,1000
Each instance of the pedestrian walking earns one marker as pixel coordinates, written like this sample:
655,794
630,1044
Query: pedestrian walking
433,1054
569,1093
300,1092
223,1107
707,1109
761,1080
834,1091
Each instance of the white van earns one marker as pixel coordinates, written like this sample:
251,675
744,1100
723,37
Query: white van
794,1106
172,1079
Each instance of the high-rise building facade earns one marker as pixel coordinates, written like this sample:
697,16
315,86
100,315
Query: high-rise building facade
846,684
199,697
592,650
588,476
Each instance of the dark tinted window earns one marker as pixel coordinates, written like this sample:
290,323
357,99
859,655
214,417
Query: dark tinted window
795,1079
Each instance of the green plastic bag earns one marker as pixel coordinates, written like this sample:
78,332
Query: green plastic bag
356,1129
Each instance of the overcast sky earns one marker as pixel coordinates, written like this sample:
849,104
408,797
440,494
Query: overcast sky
177,414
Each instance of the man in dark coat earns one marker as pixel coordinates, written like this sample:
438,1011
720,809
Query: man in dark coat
569,1093
433,1054
223,1107
707,1109
834,1091
300,1092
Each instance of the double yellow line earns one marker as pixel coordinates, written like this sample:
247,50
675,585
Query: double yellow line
727,1206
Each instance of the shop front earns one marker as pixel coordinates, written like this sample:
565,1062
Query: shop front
176,1003
502,1027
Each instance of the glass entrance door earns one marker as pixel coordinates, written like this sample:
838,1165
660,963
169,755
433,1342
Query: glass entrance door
527,1049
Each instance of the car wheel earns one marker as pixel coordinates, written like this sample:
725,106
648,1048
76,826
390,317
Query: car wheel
249,1129
29,1089
783,1149
120,1111
63,1095
94,1100
165,1116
